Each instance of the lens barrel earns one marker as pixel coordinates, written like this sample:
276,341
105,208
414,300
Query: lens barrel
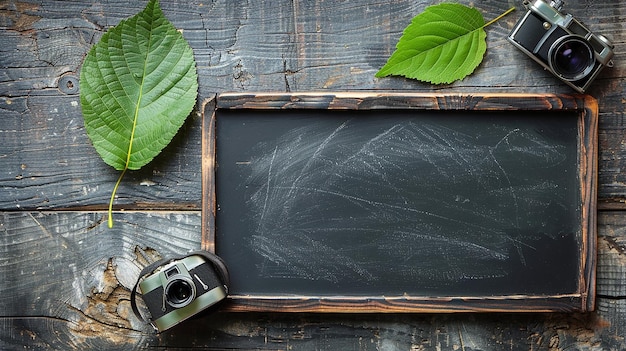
180,291
572,58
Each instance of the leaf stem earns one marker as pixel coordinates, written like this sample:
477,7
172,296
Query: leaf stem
132,138
499,17
117,184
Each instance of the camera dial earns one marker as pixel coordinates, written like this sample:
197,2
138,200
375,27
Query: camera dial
571,57
180,291
557,4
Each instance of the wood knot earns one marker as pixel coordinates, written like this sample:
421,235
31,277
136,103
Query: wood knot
68,84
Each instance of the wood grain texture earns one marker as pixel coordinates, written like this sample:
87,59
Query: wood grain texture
67,269
57,289
239,47
81,302
48,162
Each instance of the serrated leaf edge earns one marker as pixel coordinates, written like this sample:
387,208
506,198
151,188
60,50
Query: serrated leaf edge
381,73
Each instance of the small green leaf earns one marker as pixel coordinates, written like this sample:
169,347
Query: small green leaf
443,44
138,84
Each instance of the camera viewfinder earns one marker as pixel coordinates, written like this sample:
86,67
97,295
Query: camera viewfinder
171,272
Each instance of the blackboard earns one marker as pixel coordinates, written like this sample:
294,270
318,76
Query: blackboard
402,202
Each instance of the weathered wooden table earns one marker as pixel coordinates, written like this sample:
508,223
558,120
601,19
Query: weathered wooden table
65,277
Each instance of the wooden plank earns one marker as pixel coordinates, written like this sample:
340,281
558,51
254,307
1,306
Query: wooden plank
611,271
67,271
48,162
255,331
301,46
301,297
81,302
536,331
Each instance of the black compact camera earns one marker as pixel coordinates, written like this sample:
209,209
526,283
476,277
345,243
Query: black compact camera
178,289
561,44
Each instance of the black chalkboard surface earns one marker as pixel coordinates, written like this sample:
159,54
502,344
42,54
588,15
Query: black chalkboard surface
402,202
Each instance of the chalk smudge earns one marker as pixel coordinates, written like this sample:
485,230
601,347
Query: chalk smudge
327,200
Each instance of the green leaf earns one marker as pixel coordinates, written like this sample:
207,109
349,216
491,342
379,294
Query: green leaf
443,44
138,84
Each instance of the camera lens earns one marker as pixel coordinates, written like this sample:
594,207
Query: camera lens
572,58
180,292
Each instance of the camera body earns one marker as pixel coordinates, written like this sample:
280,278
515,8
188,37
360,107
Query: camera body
561,44
180,289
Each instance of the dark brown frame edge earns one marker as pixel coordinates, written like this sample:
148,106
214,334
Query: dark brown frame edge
587,110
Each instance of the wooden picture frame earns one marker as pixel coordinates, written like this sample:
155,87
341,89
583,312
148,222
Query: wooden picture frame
583,110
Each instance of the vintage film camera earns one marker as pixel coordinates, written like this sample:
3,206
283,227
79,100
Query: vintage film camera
178,289
561,44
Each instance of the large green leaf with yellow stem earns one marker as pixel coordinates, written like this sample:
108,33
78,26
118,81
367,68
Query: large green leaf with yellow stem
138,84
